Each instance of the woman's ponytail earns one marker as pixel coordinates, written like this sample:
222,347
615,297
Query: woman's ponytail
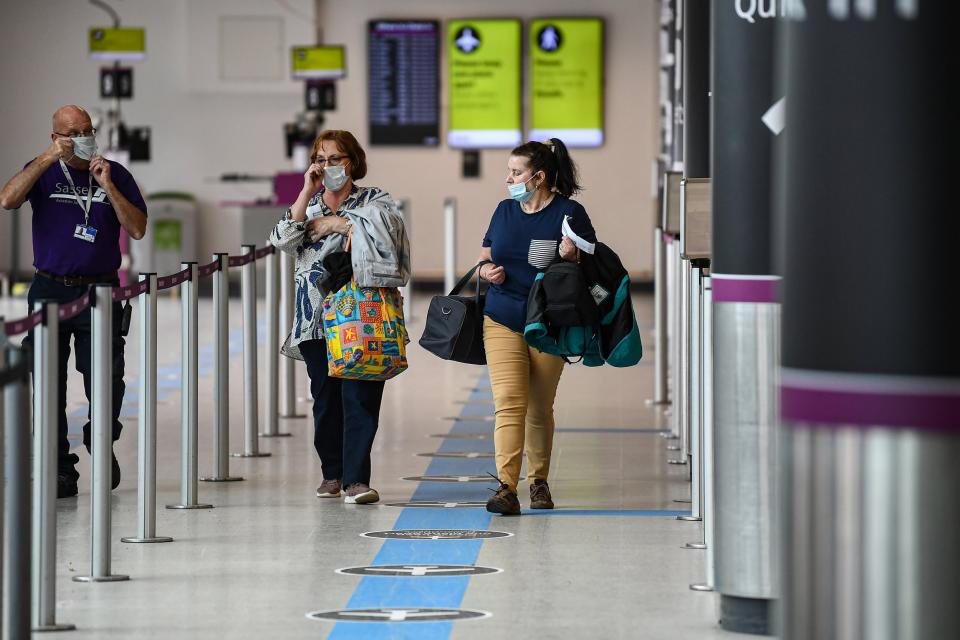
567,181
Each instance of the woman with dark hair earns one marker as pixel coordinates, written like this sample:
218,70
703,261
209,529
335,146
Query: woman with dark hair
524,237
346,413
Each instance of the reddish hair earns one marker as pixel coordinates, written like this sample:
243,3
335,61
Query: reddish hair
348,145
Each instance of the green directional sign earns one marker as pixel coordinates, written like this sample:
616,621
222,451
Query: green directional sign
566,80
127,43
484,83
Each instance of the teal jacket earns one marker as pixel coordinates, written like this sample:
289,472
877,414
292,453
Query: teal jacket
614,340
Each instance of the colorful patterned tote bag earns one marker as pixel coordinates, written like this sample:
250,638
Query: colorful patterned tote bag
365,333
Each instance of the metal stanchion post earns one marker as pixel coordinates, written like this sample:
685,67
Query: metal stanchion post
221,375
694,345
248,296
272,348
660,320
147,424
407,290
3,431
188,392
449,243
288,374
680,365
707,373
44,548
17,501
101,440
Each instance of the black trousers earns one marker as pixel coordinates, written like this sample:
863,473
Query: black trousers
78,328
346,414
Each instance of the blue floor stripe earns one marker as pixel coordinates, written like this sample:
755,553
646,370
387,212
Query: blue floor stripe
418,592
606,430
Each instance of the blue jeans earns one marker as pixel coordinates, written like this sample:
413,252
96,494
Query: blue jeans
346,414
78,328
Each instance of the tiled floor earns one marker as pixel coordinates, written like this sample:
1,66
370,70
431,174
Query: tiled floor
607,563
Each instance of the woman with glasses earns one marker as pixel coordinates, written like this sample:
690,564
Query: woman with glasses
330,207
524,237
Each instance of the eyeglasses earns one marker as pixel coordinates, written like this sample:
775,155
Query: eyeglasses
332,160
74,134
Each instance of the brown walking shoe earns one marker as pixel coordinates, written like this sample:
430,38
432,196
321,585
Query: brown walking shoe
359,493
504,501
329,489
540,497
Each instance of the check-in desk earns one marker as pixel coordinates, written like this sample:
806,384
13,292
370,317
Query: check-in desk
237,224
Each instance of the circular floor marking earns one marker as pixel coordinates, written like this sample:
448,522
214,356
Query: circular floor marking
457,454
471,418
428,504
463,436
451,479
397,615
436,534
419,570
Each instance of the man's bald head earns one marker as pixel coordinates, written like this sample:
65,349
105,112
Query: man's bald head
71,120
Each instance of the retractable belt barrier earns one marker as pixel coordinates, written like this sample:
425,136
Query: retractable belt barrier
33,541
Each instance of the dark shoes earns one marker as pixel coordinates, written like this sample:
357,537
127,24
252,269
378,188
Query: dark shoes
66,485
114,470
540,497
504,501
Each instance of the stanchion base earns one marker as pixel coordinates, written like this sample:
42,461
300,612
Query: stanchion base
669,436
250,455
673,447
63,626
293,416
676,462
275,435
695,545
700,587
227,479
684,500
690,518
112,578
650,402
189,506
148,540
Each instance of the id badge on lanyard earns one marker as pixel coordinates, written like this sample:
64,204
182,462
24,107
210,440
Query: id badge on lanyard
82,231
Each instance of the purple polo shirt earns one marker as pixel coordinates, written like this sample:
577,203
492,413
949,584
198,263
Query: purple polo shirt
56,214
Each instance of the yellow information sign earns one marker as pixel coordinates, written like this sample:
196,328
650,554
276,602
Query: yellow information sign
566,80
484,80
320,62
127,43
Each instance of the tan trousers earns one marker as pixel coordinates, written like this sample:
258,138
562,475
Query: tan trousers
524,383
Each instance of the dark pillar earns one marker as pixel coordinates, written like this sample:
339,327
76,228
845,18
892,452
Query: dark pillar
696,89
871,360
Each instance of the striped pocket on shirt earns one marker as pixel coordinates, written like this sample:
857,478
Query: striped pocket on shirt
542,253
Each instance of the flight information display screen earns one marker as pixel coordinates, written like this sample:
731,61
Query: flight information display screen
403,82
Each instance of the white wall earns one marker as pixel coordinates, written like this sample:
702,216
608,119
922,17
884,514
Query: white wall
200,133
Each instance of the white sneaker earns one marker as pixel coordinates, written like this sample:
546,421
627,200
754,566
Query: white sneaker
359,493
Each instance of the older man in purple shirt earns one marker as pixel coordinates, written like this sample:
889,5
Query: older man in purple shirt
80,200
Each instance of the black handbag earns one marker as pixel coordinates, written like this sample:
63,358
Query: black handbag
454,326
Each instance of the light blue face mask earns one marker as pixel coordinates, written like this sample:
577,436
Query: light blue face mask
334,177
84,147
519,191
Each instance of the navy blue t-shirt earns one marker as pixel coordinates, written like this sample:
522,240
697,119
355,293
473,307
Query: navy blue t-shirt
525,244
56,214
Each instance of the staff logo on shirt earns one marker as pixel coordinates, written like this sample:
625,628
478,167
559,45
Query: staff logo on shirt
64,193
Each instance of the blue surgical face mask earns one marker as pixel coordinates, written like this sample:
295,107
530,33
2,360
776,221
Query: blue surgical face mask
84,147
518,191
334,177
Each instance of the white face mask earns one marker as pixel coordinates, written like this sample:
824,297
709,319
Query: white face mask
84,147
334,177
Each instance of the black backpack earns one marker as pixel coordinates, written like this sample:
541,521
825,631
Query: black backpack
569,301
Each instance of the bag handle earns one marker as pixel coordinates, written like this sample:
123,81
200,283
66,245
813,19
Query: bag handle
465,279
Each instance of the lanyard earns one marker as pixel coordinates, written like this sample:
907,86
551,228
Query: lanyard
85,205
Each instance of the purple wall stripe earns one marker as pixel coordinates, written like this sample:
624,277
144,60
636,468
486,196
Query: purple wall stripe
727,288
913,409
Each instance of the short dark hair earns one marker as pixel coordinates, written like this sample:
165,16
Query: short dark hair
349,145
554,160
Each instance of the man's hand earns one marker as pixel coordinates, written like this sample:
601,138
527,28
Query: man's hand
60,148
100,168
323,226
